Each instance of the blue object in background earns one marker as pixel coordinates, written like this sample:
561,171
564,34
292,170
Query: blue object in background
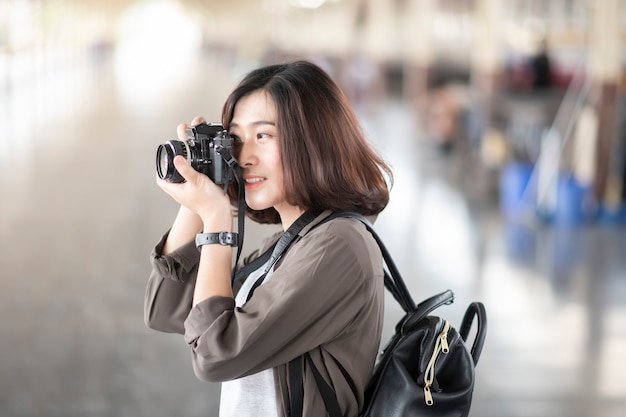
612,215
514,196
576,204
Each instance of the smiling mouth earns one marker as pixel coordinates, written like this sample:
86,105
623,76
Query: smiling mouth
254,180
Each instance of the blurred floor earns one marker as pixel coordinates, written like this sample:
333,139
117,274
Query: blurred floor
79,213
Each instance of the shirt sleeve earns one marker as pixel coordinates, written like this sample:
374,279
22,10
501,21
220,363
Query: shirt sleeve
169,293
315,292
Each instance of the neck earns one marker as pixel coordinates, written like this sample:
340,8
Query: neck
289,215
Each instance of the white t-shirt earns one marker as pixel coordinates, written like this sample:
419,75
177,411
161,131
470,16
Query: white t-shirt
253,395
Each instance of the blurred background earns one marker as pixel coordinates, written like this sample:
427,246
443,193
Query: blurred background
502,119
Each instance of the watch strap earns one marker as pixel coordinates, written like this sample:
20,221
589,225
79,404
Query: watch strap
222,238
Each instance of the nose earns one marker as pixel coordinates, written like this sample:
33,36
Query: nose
247,154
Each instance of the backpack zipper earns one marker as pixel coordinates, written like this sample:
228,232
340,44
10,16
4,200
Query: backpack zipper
441,346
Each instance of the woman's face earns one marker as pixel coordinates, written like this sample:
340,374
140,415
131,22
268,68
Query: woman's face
256,141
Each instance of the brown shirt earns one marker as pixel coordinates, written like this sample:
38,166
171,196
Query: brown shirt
325,297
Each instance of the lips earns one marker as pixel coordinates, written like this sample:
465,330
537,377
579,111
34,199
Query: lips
252,181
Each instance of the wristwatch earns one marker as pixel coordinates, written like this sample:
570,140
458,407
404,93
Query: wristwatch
223,238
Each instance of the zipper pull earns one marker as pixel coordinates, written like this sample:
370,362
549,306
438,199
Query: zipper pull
428,396
444,337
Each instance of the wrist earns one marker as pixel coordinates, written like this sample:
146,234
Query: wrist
210,226
217,221
220,238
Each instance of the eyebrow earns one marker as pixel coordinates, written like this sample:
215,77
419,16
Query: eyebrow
257,123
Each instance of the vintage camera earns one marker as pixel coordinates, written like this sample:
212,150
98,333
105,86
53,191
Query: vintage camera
203,148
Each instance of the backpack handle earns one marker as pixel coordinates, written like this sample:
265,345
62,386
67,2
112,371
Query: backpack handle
425,307
475,312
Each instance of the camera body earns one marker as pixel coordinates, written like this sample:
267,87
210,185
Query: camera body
202,148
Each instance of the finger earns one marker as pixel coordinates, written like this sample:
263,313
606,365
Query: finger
198,120
184,168
180,130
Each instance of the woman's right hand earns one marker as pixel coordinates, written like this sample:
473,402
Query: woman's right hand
198,193
204,205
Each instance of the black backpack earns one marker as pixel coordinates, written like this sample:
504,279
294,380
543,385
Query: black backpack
426,369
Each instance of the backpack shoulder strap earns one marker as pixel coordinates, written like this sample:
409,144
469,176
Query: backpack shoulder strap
393,280
394,283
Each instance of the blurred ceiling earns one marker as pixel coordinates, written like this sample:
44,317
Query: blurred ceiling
417,30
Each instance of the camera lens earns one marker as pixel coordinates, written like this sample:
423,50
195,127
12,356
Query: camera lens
165,160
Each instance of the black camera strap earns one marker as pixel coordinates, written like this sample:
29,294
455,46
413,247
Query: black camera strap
285,240
230,160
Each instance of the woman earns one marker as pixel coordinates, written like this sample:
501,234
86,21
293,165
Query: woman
301,149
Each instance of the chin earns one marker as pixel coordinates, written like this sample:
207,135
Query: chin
254,205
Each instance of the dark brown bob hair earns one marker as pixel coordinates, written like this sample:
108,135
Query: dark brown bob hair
327,162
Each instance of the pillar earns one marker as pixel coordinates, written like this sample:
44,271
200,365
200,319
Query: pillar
604,70
485,58
417,51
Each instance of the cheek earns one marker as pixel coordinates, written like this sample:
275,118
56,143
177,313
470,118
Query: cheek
278,171
272,159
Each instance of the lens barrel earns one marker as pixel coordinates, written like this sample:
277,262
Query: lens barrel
165,160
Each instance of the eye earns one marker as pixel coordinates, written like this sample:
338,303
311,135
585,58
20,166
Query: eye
264,135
